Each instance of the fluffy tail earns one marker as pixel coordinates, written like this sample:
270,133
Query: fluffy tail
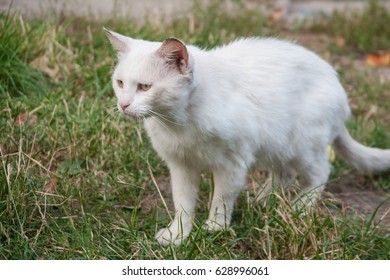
364,159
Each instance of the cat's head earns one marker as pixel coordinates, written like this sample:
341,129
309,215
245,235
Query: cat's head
150,78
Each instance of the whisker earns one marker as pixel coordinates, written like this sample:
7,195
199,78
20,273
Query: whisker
163,124
164,117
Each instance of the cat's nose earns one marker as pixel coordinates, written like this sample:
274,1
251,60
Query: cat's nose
124,105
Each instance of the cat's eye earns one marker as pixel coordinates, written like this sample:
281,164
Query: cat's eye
144,87
119,83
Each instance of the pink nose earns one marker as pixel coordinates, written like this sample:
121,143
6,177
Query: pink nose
124,105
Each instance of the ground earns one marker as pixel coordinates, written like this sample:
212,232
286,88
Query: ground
79,181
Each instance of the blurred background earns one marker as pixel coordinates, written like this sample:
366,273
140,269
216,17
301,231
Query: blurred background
169,9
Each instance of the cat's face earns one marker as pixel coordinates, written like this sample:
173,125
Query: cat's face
150,79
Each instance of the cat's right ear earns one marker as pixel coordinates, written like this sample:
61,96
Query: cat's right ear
119,42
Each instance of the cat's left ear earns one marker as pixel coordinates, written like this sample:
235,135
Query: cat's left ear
175,53
119,42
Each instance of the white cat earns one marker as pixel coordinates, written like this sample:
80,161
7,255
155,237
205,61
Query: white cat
263,101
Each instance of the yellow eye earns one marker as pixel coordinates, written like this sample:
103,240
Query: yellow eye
120,83
144,87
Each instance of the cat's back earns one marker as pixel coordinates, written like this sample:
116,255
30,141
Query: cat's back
271,77
271,54
256,45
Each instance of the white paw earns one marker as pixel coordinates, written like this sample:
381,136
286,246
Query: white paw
307,200
167,236
212,225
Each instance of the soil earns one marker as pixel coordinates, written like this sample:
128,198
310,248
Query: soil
357,196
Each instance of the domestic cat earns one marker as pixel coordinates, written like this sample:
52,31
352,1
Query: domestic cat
254,101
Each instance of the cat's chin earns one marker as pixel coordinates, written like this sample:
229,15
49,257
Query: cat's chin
133,116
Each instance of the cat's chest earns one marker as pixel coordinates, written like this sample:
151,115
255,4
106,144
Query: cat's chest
185,144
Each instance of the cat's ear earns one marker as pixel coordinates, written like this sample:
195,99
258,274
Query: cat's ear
175,53
119,42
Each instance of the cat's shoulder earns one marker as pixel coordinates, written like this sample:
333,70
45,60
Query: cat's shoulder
264,43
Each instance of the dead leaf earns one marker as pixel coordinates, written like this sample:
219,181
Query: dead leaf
51,186
373,110
32,120
378,59
42,63
52,73
277,14
106,61
331,154
22,118
340,42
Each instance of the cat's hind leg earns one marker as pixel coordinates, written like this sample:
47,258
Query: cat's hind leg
277,177
314,170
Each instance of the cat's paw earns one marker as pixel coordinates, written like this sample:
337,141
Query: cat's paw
168,236
307,200
213,226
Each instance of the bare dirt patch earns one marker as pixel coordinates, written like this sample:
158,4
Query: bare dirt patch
355,194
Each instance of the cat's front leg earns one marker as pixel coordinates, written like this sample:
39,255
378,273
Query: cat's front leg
227,186
185,185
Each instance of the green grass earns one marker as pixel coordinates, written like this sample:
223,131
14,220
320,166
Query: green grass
75,177
367,31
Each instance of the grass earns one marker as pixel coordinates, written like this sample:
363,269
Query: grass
368,31
76,178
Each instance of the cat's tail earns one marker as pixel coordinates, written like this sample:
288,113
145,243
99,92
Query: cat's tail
364,159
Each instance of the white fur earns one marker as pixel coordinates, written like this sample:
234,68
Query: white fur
262,101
